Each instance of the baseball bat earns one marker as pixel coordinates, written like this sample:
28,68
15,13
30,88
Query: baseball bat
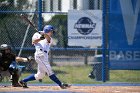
27,20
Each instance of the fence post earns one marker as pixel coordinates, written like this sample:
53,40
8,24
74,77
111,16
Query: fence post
39,15
85,59
103,40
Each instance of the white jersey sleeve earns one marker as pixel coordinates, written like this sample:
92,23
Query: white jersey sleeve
36,36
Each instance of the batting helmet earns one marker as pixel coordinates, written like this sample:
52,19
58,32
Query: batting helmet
48,28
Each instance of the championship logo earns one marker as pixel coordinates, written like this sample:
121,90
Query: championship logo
84,26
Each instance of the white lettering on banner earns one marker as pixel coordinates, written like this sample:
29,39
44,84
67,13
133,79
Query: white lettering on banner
124,55
130,17
84,37
85,26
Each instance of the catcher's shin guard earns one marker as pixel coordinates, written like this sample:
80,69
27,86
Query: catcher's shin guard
15,78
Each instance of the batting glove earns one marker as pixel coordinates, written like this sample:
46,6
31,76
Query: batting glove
42,37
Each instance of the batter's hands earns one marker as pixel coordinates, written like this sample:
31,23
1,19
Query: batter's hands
46,36
42,37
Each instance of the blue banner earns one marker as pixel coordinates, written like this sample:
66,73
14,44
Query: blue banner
124,34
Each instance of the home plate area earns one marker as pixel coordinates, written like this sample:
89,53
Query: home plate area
99,88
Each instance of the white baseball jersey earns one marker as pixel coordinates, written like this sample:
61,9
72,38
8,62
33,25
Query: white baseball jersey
41,56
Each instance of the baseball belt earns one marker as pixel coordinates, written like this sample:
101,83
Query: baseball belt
43,50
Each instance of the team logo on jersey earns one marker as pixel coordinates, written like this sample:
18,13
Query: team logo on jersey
84,26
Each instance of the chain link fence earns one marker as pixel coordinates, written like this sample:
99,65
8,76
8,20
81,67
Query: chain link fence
16,32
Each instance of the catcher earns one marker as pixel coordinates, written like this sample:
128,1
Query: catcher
8,62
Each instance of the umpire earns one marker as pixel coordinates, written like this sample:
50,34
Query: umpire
8,63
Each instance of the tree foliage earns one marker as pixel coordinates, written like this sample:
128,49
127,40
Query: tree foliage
60,23
4,6
12,26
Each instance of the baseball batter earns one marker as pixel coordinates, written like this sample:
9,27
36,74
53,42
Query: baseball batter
42,41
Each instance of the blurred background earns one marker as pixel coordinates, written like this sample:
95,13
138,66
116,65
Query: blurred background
111,60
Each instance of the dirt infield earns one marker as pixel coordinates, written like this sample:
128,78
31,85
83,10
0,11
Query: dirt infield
73,89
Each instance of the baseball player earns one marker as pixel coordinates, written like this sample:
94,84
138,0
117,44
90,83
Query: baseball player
42,41
8,62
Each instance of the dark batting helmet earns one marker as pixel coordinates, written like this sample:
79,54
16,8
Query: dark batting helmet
48,28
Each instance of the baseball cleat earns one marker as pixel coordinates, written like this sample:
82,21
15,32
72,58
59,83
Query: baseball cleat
23,84
65,86
16,85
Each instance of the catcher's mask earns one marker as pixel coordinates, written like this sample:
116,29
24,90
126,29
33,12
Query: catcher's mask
5,49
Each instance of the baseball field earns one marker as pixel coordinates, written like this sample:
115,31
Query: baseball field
74,89
100,38
81,83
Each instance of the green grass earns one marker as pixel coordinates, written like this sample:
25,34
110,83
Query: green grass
79,75
125,76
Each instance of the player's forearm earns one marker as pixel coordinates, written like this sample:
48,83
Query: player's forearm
21,59
47,37
36,41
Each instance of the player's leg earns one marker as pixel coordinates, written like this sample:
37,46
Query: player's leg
14,71
54,78
45,66
40,74
51,74
23,82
